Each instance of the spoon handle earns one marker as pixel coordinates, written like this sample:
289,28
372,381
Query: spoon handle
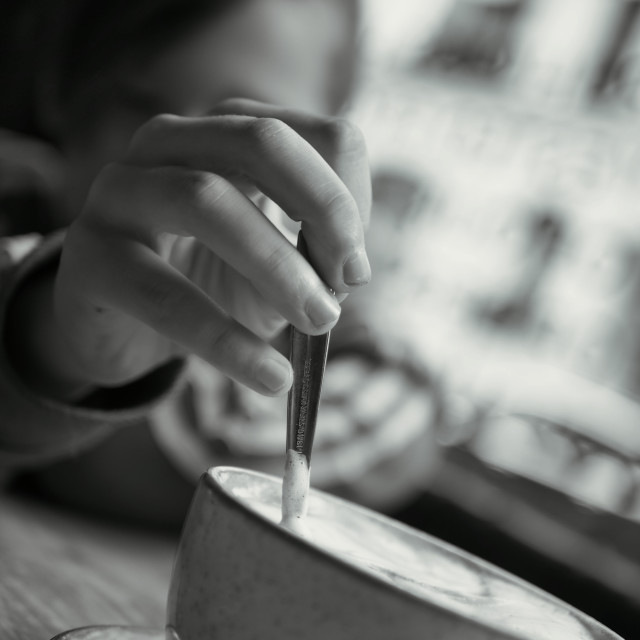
308,356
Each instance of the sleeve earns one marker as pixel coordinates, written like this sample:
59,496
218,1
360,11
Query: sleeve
34,429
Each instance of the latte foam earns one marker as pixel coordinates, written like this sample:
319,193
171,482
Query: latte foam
411,561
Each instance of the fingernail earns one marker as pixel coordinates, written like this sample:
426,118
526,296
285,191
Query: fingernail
356,270
274,375
323,310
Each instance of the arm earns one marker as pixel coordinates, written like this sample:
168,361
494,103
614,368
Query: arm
39,422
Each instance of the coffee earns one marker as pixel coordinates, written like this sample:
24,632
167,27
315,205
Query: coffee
408,560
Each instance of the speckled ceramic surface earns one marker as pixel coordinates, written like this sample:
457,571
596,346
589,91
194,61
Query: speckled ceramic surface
239,576
112,633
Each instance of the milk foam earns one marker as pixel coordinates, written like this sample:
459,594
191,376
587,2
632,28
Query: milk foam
411,562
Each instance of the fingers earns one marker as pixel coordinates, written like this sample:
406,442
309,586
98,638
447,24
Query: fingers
232,291
194,203
338,141
284,166
162,298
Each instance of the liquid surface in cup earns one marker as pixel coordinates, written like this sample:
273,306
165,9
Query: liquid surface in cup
431,571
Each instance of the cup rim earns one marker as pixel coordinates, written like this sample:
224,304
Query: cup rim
213,481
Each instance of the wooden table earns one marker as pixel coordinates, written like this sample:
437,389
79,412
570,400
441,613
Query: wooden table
60,571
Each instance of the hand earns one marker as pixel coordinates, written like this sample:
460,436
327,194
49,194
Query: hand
171,252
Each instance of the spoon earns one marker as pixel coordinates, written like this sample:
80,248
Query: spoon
308,356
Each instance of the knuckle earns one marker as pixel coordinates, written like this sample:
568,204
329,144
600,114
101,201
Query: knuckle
344,136
153,129
341,203
199,188
221,342
208,191
232,105
158,125
342,210
278,261
165,301
265,132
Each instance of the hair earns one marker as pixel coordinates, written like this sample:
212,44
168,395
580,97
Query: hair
63,56
52,50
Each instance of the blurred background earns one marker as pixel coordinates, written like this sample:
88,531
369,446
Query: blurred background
506,252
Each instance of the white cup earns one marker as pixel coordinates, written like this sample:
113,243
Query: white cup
238,575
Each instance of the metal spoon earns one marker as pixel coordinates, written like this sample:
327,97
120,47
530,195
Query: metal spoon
308,355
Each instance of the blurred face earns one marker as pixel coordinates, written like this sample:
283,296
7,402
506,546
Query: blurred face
285,52
278,51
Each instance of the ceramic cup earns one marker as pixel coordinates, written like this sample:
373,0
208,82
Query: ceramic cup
238,575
